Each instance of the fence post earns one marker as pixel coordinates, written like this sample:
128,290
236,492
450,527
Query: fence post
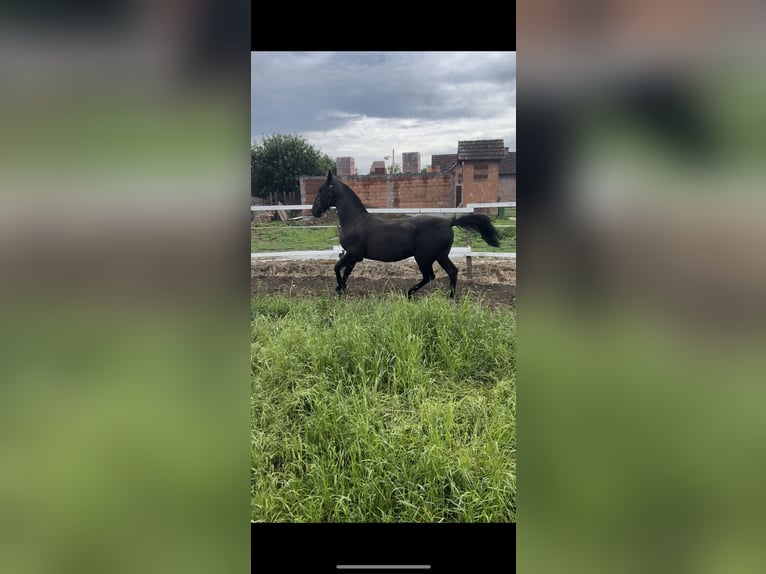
468,259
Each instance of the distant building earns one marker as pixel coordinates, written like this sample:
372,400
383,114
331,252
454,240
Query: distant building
444,162
411,162
345,165
482,171
477,173
378,167
507,183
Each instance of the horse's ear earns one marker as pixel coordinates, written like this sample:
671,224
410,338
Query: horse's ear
329,175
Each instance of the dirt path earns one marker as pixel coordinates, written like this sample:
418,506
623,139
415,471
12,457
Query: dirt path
493,280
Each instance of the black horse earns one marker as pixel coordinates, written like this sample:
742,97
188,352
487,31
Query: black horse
364,236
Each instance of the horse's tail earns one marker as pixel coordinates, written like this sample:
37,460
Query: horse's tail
481,224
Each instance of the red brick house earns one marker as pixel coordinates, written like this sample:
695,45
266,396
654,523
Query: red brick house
477,171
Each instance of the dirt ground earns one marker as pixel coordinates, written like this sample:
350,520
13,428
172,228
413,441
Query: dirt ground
493,279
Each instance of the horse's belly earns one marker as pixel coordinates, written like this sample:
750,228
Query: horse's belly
388,253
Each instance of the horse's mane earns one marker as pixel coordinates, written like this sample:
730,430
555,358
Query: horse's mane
354,198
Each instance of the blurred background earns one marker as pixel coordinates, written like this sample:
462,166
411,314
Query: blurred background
642,274
124,291
124,286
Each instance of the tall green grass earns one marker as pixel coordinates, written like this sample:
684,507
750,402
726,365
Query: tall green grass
382,410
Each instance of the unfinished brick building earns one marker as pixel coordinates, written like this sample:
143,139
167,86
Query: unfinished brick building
483,171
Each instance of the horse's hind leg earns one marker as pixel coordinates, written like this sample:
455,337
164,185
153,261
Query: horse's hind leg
426,268
451,270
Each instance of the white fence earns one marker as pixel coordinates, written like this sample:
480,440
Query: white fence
337,250
469,208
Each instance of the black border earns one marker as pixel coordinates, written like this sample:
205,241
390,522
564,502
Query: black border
314,547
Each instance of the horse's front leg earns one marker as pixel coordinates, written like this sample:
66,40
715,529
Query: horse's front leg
346,263
338,266
347,272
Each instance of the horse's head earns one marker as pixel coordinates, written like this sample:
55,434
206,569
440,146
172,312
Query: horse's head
325,198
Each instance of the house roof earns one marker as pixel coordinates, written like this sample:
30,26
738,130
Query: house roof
443,162
508,164
480,149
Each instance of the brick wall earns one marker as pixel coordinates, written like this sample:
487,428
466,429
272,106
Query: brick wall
482,190
411,190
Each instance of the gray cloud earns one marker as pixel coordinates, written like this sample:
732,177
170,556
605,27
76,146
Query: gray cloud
418,95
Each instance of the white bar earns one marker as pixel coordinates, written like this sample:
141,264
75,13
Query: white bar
337,250
279,207
371,210
420,210
323,254
498,204
467,209
256,226
295,255
468,252
492,254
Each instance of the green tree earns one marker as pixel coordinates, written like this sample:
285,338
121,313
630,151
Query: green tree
327,163
277,162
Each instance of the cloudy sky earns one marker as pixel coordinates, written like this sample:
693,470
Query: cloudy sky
363,104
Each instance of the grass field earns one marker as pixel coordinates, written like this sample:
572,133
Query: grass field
382,410
292,236
507,239
280,236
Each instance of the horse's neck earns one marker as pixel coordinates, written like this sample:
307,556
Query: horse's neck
348,206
